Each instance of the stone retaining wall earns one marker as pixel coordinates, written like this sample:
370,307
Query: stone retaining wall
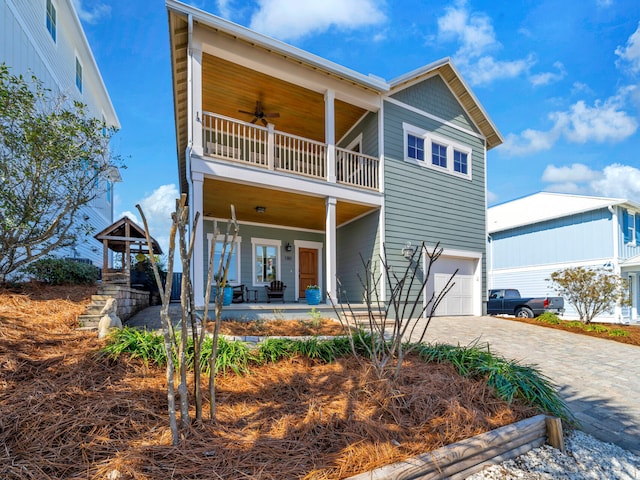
130,300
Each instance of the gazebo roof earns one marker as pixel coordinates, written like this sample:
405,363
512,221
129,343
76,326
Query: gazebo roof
126,231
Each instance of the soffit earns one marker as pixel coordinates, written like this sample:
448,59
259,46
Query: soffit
282,208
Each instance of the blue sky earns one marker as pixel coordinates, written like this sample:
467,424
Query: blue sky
560,80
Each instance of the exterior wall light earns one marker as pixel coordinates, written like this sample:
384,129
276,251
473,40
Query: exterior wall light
408,251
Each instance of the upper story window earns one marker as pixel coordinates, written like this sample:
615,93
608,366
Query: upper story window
438,155
415,147
51,19
78,75
631,227
446,155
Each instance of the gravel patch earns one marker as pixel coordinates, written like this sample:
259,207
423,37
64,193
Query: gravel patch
586,458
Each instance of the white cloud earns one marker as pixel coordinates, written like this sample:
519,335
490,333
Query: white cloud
491,197
549,77
615,180
529,141
618,180
157,208
294,19
576,172
604,3
630,53
603,122
97,12
477,38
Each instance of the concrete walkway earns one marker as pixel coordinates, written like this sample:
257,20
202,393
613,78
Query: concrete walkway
599,379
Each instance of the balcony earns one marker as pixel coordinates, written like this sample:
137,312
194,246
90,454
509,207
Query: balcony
264,147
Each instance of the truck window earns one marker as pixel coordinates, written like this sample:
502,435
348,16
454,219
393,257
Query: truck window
511,294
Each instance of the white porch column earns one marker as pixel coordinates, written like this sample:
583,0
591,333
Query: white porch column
331,248
195,90
330,133
197,261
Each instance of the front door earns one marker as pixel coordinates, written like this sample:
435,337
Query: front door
308,264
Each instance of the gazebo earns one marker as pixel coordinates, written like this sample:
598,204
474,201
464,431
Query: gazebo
124,237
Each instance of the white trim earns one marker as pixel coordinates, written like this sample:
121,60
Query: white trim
269,242
599,262
353,127
356,141
434,117
431,138
236,251
307,244
266,225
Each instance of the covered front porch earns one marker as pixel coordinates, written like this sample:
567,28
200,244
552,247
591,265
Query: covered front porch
289,236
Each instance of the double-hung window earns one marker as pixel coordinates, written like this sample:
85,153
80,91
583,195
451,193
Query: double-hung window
233,275
51,19
439,153
266,260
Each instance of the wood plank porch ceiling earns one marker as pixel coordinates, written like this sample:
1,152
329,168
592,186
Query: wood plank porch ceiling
229,87
282,208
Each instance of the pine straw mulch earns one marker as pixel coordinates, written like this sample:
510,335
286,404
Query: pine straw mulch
296,328
68,414
633,330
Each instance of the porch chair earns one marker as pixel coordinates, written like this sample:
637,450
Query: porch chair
275,290
238,294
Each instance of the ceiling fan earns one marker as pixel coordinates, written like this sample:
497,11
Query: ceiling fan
259,114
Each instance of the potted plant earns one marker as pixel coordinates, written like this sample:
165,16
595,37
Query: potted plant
312,293
227,292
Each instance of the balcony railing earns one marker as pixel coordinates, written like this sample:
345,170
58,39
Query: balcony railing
264,147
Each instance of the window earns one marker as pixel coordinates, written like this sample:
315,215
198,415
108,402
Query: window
78,75
460,162
438,155
415,147
631,227
266,260
447,156
51,19
233,275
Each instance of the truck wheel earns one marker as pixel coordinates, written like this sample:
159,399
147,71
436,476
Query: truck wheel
524,312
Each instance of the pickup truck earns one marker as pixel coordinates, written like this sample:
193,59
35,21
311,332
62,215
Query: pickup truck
508,301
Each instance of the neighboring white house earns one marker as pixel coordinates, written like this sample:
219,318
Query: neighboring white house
44,38
535,235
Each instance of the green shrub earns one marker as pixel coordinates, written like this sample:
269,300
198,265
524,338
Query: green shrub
60,271
549,317
596,328
616,332
509,378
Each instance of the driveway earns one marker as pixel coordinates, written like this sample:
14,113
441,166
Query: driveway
599,379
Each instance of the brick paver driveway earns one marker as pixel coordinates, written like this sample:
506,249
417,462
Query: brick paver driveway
599,379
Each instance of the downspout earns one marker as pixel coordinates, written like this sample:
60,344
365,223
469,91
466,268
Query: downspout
189,126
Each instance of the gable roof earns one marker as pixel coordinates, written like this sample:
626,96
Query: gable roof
543,206
126,231
447,70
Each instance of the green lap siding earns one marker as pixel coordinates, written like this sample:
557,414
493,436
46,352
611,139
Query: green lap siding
426,204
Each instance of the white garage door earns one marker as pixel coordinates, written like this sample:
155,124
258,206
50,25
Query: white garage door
459,300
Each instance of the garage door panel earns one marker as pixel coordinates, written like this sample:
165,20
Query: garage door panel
459,300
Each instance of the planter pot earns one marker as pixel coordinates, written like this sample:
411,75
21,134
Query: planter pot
313,296
227,295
